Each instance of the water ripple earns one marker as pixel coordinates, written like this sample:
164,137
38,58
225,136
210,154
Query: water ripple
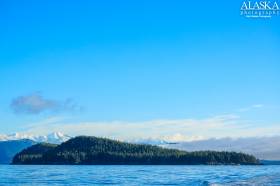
139,175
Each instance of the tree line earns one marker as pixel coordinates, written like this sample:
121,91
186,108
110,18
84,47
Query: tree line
93,151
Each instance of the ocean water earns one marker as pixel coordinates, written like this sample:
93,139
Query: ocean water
138,175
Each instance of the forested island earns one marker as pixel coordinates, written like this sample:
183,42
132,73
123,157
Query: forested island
84,150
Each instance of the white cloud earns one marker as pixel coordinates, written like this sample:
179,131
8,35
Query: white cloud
257,106
246,109
178,137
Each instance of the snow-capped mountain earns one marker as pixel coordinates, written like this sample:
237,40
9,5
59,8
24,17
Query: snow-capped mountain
55,137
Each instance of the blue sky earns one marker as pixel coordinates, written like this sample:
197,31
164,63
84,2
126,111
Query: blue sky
139,63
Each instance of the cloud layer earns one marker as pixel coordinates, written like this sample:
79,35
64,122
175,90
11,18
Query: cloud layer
35,103
171,130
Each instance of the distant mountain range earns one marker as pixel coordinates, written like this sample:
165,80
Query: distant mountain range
9,148
14,143
267,148
55,137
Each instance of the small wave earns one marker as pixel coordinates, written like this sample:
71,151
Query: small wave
207,183
258,180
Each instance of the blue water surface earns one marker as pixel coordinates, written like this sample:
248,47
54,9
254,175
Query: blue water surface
138,175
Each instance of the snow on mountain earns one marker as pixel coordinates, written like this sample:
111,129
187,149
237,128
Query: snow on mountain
149,141
55,137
